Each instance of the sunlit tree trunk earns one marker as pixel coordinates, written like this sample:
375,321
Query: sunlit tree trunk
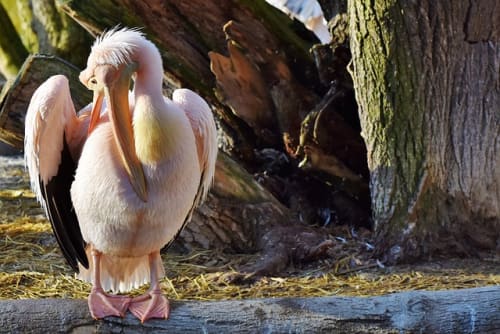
12,50
426,76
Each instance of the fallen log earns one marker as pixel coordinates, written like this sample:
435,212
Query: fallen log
238,210
456,311
240,215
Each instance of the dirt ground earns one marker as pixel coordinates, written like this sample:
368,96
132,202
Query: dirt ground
31,265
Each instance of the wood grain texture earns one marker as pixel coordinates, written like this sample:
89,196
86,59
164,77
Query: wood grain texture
456,311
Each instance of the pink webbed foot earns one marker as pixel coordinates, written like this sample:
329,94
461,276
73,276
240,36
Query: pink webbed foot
102,305
150,305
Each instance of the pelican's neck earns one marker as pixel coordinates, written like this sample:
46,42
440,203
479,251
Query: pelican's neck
148,85
155,125
149,75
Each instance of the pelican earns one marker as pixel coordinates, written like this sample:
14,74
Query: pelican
119,180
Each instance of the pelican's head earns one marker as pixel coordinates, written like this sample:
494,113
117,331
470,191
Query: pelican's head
109,70
110,64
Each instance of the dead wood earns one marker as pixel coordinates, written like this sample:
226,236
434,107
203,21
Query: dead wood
455,311
239,210
266,83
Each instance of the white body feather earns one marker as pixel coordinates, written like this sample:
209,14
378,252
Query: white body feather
114,220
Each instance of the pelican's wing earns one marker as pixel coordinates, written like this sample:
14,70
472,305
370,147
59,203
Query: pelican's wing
50,122
205,132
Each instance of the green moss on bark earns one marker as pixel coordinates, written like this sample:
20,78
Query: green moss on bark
21,15
391,112
428,107
12,50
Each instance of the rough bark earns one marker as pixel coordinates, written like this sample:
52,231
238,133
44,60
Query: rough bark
456,311
426,76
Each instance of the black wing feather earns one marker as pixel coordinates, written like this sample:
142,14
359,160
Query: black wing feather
61,213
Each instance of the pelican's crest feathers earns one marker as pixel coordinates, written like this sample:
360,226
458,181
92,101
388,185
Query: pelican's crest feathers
115,47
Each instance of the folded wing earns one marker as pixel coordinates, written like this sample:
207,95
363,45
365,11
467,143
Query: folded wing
205,132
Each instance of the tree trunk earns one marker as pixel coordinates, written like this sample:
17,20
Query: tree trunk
15,97
21,15
426,76
39,27
456,311
58,34
189,32
12,50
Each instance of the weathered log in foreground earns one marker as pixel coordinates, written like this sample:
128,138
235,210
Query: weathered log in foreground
457,311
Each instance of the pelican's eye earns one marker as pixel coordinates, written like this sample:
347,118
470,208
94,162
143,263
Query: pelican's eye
92,83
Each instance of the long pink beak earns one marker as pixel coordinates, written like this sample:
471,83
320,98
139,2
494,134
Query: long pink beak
115,86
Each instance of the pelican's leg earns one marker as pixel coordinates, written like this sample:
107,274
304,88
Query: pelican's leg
100,303
152,304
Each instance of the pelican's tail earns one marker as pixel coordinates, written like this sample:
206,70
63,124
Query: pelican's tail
120,274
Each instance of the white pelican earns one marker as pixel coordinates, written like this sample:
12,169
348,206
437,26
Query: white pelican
133,165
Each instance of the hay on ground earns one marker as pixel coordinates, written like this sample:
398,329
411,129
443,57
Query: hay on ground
31,265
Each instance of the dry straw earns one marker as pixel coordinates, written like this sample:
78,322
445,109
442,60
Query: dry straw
31,266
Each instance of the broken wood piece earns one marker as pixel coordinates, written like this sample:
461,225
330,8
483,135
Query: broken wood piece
241,87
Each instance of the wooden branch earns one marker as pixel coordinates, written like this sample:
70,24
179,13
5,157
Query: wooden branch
456,311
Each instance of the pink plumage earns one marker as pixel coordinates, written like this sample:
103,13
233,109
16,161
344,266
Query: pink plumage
141,163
